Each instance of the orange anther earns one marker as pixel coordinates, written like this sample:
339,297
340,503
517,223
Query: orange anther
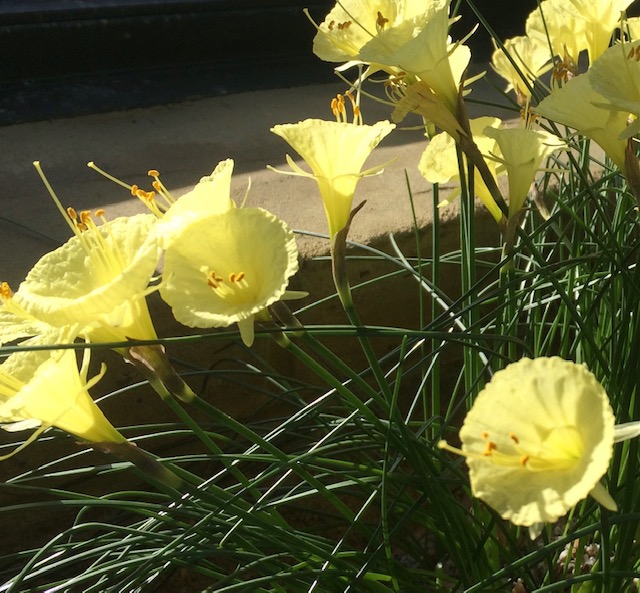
5,291
73,215
153,173
514,438
100,212
489,448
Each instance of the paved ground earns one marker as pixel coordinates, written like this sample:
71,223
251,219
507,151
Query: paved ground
185,141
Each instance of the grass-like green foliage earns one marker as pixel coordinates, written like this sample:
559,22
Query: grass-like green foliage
345,489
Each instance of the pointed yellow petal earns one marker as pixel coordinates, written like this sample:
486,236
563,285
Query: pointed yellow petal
576,105
212,195
44,386
601,494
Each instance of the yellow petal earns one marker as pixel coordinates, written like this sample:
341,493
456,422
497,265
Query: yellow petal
578,106
212,195
532,58
420,46
616,76
439,161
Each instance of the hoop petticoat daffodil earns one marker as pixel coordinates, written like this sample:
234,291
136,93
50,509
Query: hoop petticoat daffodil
335,151
538,439
43,388
97,281
228,268
439,162
578,106
522,151
396,36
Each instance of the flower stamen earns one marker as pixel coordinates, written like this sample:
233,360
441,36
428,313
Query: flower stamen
235,286
381,22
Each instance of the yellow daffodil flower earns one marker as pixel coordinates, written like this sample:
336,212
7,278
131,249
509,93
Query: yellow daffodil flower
522,152
532,58
439,162
395,36
335,151
578,106
43,388
538,439
228,268
616,76
97,280
555,24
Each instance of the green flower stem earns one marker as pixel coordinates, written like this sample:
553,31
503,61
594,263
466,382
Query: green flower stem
148,360
468,269
343,288
287,461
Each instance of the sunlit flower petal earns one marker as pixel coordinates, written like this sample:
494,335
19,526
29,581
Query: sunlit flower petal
616,76
43,388
228,268
97,281
335,152
439,161
601,17
538,439
212,195
578,106
522,152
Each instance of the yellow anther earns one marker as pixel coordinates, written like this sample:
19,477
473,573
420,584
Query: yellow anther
240,276
134,190
73,215
153,173
5,291
157,186
85,216
524,460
